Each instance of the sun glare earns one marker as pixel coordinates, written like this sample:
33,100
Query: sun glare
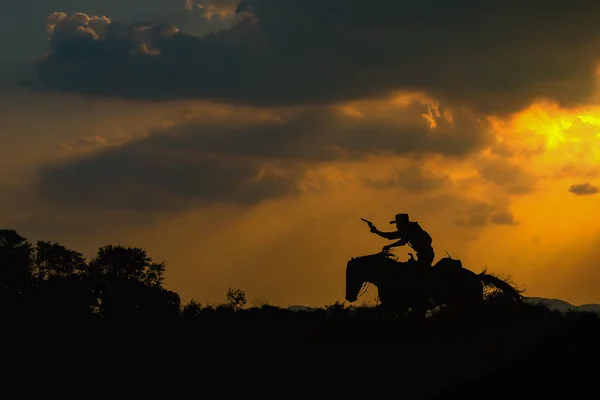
561,126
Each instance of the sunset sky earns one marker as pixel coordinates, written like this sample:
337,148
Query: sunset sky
241,141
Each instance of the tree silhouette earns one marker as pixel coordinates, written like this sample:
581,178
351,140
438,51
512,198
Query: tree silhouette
236,298
127,284
128,263
51,260
191,310
62,289
16,256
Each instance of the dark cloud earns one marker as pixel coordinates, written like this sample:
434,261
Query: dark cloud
571,169
414,178
26,19
143,176
325,134
491,55
208,161
583,189
505,173
481,214
503,218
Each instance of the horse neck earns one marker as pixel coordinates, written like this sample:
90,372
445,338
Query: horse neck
372,270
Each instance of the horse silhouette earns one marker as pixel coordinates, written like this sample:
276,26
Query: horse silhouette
404,285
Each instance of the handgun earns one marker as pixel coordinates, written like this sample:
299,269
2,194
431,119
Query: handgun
368,222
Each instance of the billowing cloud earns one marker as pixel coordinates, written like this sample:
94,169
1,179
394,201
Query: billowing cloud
412,177
504,218
504,172
63,28
23,36
479,214
143,176
249,157
583,189
213,9
491,56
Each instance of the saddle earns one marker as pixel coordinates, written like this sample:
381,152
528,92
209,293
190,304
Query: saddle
419,275
449,263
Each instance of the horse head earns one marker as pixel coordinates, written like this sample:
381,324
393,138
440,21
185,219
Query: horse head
353,279
366,269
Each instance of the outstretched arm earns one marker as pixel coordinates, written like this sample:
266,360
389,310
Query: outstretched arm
400,242
387,235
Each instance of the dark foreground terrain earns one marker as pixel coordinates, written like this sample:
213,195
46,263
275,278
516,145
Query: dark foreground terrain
506,352
74,327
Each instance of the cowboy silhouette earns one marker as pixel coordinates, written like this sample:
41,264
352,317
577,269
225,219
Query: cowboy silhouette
411,233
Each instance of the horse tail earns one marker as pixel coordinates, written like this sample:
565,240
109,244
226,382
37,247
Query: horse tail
505,284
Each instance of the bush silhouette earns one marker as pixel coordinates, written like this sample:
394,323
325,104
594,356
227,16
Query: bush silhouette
236,298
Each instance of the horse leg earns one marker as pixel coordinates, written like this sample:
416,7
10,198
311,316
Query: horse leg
392,304
385,308
417,313
388,305
470,301
473,295
392,310
419,306
398,309
477,300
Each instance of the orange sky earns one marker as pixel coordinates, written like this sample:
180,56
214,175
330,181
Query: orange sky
293,250
494,190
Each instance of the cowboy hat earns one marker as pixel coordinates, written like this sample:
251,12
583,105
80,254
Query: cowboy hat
400,219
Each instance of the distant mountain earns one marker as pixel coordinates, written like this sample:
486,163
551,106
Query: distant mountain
595,308
555,304
564,306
